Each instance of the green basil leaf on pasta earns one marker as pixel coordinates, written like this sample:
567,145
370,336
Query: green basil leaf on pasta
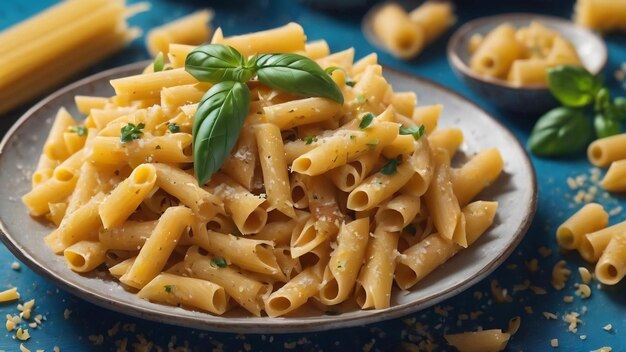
158,64
560,131
296,74
216,63
217,124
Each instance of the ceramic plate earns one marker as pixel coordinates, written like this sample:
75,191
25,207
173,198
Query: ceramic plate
515,191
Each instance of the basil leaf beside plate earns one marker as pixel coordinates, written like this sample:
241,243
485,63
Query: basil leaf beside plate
573,86
216,63
217,124
296,74
560,131
605,126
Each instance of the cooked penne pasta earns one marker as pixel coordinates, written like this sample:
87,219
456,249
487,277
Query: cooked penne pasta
285,222
401,36
191,29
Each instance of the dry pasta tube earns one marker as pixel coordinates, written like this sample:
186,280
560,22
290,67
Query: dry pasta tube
602,152
526,72
434,18
9,295
403,38
476,175
285,39
179,290
84,256
422,258
604,15
497,52
590,218
615,178
611,267
479,341
593,244
191,29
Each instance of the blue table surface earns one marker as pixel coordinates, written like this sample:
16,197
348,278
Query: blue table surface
606,305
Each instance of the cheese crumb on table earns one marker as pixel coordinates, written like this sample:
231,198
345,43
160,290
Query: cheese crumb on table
22,334
66,313
608,327
585,275
554,343
15,266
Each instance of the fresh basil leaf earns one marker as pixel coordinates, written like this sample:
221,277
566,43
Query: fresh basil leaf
560,131
350,82
602,100
416,132
216,63
573,86
296,74
131,132
605,126
217,124
366,120
390,167
158,64
619,105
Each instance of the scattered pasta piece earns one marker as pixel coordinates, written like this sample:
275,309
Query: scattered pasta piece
22,334
9,295
554,343
549,315
608,327
585,275
532,265
479,341
568,299
560,274
601,15
500,294
573,320
514,324
583,291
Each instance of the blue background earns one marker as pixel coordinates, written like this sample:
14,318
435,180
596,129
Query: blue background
342,30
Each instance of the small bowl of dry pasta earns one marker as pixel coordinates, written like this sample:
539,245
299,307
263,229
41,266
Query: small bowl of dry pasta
505,58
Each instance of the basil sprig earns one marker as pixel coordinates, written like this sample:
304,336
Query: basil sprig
567,129
224,107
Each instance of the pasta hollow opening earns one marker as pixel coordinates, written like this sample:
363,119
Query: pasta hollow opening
330,291
393,219
301,165
360,296
350,180
188,151
143,175
565,237
297,194
76,260
279,304
360,200
306,236
608,272
596,153
219,300
405,276
255,221
488,62
63,175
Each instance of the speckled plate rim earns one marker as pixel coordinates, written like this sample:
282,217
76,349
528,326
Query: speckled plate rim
270,325
471,26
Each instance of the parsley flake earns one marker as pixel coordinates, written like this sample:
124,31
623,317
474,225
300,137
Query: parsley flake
219,262
79,130
361,99
131,132
173,127
350,82
390,167
309,140
158,64
416,132
168,288
366,120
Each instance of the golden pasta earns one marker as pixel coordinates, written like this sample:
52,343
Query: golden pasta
314,200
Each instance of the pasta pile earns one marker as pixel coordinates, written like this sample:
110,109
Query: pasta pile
405,34
520,56
317,200
587,229
604,15
47,49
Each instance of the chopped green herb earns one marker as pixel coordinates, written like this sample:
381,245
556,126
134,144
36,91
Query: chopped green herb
168,288
352,136
350,82
372,144
309,140
130,132
416,132
410,229
158,62
219,262
173,127
79,130
390,167
366,120
157,147
361,99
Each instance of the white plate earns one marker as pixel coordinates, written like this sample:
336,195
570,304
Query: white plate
515,191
